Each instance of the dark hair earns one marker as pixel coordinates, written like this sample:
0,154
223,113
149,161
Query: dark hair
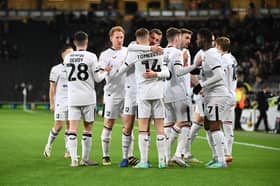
156,31
141,32
171,33
64,48
186,31
205,34
80,37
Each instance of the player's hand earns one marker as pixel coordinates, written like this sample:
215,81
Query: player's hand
51,107
108,69
198,62
197,88
157,49
149,74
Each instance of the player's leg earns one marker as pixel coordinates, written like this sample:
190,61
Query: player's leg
158,115
215,109
228,131
169,131
144,113
66,154
197,124
59,118
128,121
111,112
88,113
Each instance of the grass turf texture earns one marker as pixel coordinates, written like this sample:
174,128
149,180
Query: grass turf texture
23,136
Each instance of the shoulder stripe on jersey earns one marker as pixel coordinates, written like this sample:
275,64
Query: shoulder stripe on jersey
178,64
219,66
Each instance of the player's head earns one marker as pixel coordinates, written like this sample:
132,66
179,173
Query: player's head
155,36
65,50
80,39
116,35
204,38
186,36
173,35
142,36
223,44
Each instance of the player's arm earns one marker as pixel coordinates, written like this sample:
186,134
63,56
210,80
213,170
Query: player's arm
53,79
217,76
145,48
51,95
130,60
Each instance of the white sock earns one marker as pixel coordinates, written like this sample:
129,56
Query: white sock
194,128
72,145
172,136
131,146
218,138
229,137
161,148
182,141
86,146
65,140
126,141
105,141
211,144
52,136
143,141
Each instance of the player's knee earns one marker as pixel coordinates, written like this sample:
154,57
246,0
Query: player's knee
126,131
215,125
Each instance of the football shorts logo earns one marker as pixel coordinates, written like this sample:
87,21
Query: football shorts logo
108,113
126,109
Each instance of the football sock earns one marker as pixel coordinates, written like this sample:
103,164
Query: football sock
105,140
218,138
161,148
131,146
52,136
229,137
72,145
211,144
143,141
126,141
182,141
86,145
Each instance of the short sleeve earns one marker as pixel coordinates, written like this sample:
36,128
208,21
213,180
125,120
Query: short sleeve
53,75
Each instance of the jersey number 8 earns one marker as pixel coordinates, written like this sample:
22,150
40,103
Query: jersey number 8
82,72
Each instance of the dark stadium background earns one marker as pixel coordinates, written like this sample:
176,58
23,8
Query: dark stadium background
32,32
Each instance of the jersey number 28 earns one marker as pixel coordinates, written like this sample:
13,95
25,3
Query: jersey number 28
82,72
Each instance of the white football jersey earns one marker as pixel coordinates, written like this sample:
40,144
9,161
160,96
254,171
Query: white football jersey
174,88
81,68
188,75
229,64
114,87
147,89
212,60
200,53
58,75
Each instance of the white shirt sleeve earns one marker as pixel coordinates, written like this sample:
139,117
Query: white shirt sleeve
135,47
53,75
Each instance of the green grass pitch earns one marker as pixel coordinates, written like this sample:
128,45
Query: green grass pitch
23,136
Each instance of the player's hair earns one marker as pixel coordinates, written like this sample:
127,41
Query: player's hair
80,38
206,34
171,33
116,29
186,31
141,32
64,48
224,43
156,31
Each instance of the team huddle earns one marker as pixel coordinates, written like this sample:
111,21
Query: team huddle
150,84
